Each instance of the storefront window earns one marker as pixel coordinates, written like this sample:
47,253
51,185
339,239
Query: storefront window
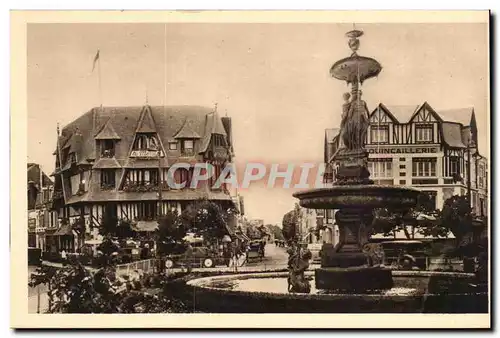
380,167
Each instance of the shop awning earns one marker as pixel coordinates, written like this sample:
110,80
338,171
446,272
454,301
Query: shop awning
145,226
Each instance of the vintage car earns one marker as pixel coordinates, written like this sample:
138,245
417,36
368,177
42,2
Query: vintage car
255,250
412,251
202,257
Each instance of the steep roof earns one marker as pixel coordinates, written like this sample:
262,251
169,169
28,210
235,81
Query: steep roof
460,115
146,122
187,131
33,175
213,125
402,113
452,134
107,132
125,121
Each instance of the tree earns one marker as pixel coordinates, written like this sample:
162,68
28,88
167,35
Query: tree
291,224
124,229
79,226
457,217
170,233
109,223
422,219
75,289
208,219
276,231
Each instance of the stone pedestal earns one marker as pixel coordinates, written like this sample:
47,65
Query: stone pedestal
344,268
356,279
353,234
353,167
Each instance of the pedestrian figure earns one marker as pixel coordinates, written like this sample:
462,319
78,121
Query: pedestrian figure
64,257
189,257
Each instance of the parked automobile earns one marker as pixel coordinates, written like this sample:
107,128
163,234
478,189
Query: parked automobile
202,257
412,251
255,250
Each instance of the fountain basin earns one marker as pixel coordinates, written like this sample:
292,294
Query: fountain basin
355,68
413,292
358,196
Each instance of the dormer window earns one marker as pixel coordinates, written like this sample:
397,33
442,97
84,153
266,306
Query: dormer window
146,142
219,140
108,148
188,147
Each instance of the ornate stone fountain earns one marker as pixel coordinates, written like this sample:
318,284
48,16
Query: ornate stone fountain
346,282
355,196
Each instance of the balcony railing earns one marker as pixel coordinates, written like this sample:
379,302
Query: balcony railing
107,186
187,152
144,187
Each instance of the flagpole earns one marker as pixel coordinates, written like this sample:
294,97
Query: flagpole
99,78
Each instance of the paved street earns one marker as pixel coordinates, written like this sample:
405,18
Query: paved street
274,256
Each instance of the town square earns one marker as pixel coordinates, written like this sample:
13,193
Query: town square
258,168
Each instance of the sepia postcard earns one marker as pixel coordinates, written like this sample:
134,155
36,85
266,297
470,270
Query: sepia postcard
315,169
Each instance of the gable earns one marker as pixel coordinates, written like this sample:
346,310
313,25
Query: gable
146,123
425,115
187,132
107,132
381,115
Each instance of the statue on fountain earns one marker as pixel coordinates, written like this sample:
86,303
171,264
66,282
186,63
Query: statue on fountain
354,124
298,263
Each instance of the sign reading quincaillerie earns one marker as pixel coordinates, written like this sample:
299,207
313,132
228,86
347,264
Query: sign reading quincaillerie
145,153
412,150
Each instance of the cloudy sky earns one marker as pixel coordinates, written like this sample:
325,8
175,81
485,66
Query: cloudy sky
272,79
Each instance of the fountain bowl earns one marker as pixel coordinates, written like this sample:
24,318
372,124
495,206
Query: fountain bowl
354,68
413,292
354,196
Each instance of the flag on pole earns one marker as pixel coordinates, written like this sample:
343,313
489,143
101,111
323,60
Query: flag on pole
95,60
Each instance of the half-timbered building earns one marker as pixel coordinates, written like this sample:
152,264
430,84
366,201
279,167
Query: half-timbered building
41,220
428,149
115,160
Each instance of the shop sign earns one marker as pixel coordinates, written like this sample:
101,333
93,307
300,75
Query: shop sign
405,150
145,153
